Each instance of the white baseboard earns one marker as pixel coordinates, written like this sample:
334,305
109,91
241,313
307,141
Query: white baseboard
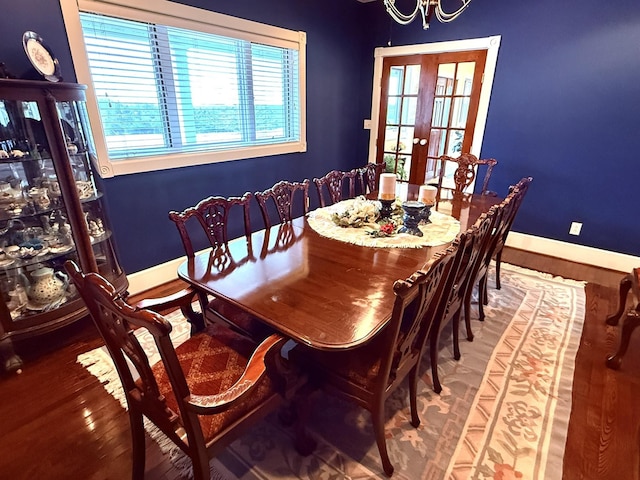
166,272
154,276
576,253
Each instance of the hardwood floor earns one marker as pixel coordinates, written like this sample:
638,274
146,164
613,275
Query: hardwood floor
58,422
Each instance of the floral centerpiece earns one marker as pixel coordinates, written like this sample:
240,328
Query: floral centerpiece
357,213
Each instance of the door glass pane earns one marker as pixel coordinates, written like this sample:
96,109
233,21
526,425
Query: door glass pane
446,73
454,144
393,110
406,139
441,107
436,142
409,105
412,80
391,139
396,75
404,167
460,112
464,78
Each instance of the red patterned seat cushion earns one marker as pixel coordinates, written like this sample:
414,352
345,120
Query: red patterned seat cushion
212,361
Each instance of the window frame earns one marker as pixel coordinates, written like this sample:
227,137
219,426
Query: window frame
182,16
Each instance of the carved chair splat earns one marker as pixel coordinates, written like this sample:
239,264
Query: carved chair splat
465,172
331,188
282,197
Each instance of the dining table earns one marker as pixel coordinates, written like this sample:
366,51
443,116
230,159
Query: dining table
318,291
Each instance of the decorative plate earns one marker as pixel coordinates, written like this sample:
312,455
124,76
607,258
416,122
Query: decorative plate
41,56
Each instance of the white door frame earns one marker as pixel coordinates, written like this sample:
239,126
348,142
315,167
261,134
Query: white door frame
490,44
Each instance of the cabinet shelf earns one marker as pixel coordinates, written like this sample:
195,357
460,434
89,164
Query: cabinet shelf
52,202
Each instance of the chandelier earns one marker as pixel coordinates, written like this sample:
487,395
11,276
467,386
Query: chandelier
426,8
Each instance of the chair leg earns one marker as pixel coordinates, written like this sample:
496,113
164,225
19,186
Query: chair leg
377,417
631,321
483,298
467,313
303,442
498,261
625,286
456,335
413,394
137,445
201,469
433,354
482,284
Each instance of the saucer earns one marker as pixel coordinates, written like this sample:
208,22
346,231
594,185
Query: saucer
7,261
61,249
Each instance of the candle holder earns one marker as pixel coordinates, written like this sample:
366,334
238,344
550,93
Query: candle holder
425,214
412,216
387,208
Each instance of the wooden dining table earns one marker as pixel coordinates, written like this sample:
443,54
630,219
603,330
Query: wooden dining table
321,292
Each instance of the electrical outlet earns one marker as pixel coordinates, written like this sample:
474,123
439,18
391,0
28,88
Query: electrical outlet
575,228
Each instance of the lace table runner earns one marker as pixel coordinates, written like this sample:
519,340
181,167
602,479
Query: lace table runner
442,229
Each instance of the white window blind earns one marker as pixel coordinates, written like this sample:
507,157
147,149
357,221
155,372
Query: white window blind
172,85
167,90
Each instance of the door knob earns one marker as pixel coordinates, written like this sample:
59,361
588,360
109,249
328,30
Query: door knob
415,141
423,141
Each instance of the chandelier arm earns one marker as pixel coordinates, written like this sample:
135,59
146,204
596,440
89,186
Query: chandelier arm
445,17
400,17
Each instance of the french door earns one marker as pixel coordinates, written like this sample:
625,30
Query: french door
428,108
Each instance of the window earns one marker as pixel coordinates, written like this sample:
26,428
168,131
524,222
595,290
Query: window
174,90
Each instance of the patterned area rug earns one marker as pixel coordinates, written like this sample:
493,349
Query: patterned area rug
502,414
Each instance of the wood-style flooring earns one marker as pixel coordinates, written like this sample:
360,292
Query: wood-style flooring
58,422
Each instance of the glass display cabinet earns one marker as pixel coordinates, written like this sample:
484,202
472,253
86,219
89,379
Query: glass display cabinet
51,210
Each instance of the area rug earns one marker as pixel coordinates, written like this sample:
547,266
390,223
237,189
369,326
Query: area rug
502,413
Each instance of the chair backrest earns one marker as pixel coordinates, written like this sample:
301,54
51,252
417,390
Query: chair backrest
515,197
213,215
484,233
332,188
368,178
278,203
410,323
465,172
115,319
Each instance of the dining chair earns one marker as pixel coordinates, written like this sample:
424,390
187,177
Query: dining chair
466,247
519,191
278,203
335,186
479,257
369,374
465,173
202,394
208,223
479,276
630,282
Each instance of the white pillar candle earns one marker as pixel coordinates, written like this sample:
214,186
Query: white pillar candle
427,194
387,189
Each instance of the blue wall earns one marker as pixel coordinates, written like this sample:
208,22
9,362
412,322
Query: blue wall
564,109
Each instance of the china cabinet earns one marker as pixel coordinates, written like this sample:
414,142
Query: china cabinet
51,210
